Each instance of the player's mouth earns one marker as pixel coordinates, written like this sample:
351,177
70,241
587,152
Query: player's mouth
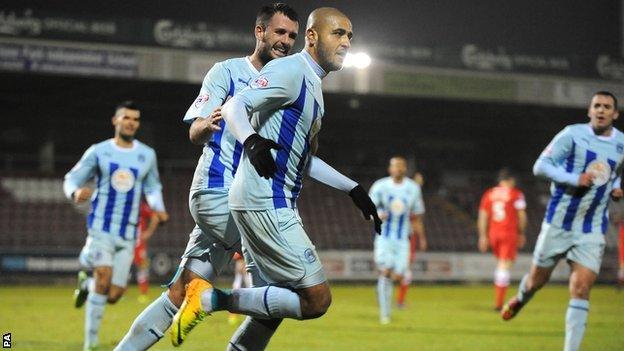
280,51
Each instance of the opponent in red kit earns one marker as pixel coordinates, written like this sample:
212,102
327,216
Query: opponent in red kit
148,222
501,224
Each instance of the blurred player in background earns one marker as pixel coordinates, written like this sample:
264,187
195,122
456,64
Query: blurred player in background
241,280
418,230
215,237
124,169
399,203
581,161
287,98
148,222
501,225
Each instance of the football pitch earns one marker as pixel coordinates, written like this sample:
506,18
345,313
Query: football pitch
438,317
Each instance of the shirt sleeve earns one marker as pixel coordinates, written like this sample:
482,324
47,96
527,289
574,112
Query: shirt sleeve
279,84
152,188
216,87
82,172
550,164
418,205
375,195
484,205
520,203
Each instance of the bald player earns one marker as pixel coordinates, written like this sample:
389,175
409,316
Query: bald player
286,102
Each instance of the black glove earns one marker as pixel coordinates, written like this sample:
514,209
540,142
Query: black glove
366,205
258,149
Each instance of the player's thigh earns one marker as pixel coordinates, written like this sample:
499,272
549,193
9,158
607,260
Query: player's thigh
383,254
216,237
552,245
401,259
122,262
587,251
98,250
507,250
280,247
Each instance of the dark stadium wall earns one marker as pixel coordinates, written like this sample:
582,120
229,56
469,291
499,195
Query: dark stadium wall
361,131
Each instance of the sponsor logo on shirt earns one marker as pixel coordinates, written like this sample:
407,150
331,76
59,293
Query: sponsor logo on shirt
397,207
122,180
601,172
201,100
260,82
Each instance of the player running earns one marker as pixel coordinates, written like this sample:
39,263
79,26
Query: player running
399,204
288,102
581,161
215,238
501,223
124,169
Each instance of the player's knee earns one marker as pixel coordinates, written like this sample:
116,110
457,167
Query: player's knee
317,307
113,297
580,290
177,292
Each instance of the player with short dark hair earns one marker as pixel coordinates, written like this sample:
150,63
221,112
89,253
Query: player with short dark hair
285,103
399,204
124,169
215,237
582,163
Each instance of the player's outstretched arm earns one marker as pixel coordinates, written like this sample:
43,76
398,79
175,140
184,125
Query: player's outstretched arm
482,227
326,174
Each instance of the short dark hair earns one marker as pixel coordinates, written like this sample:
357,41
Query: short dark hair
129,104
267,11
610,94
505,174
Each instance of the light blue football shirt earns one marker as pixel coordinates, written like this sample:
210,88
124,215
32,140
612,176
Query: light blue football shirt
288,102
576,149
122,175
399,201
221,155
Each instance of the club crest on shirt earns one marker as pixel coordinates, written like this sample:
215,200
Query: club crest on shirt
201,100
122,180
601,172
309,255
260,82
397,207
620,148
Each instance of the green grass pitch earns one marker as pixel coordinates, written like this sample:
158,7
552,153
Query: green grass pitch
437,318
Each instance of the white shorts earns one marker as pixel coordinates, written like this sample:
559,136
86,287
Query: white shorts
280,248
554,243
392,254
108,250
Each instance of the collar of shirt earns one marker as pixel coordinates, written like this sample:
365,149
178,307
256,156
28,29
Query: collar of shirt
602,137
320,72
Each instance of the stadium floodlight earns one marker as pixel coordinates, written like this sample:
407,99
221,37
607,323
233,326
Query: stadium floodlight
359,60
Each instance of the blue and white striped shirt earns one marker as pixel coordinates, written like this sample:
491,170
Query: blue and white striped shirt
575,150
122,175
288,100
221,155
399,202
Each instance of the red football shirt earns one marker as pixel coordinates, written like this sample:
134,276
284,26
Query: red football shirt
502,205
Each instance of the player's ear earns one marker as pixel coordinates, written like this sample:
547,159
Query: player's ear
311,36
259,32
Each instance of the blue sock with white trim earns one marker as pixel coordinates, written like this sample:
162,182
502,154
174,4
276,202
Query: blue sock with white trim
576,320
